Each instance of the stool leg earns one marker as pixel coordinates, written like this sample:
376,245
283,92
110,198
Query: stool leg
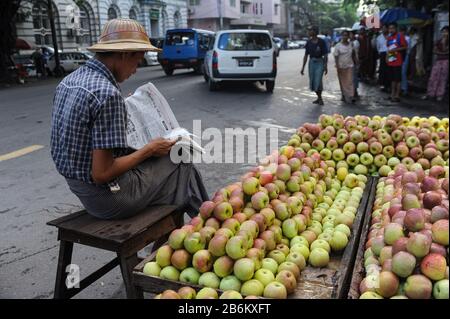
64,259
126,266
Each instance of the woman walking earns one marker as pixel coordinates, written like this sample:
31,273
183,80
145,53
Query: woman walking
345,57
439,74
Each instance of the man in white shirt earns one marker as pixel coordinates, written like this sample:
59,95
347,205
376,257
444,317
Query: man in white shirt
382,49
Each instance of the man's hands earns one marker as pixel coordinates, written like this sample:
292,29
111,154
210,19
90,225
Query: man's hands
302,72
160,146
325,70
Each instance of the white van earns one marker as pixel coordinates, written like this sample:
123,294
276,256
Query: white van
241,55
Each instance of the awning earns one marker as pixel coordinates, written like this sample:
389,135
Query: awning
22,44
404,16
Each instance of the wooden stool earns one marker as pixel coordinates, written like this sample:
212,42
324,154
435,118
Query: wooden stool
125,237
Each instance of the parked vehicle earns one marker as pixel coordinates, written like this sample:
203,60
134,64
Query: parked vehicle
293,45
241,55
150,58
69,61
185,49
302,43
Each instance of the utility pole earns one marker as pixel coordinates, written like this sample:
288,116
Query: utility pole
54,39
220,14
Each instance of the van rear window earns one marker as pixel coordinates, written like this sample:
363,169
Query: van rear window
245,42
180,38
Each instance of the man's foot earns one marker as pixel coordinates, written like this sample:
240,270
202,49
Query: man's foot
320,102
396,99
343,98
316,101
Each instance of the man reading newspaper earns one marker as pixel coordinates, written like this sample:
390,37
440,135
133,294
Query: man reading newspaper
113,173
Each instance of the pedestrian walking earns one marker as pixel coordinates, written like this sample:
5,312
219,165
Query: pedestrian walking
382,49
89,136
396,47
317,51
355,76
39,62
405,65
437,83
345,57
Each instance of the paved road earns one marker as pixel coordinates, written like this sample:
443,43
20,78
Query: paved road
31,192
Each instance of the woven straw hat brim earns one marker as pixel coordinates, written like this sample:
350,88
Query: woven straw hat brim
123,46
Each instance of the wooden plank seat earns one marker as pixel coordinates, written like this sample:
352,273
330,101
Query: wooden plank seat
124,237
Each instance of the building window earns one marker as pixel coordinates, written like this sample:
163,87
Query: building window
276,9
112,13
133,14
41,24
84,35
242,8
255,8
177,19
261,8
233,3
194,2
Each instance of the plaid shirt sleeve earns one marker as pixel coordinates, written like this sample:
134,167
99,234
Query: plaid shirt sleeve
110,124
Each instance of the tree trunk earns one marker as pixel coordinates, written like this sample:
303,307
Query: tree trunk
8,11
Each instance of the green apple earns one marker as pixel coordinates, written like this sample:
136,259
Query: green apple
338,241
236,247
265,276
440,289
290,228
244,268
301,249
277,255
343,228
152,269
275,290
252,287
207,293
169,272
230,294
298,259
270,264
319,257
209,279
163,255
321,243
230,283
189,275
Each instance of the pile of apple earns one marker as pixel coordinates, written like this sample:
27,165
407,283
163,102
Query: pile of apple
256,236
375,145
407,249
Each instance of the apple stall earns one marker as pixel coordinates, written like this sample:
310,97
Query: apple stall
351,207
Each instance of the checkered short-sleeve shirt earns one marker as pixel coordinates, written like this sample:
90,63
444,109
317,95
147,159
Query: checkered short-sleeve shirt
88,113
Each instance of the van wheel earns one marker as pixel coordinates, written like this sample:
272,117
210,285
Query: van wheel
168,71
213,86
270,85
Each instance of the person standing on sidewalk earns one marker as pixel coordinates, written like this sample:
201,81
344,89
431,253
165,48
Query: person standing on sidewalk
317,51
345,58
437,82
396,46
89,136
382,49
365,55
39,62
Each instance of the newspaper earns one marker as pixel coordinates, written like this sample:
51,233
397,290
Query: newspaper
150,117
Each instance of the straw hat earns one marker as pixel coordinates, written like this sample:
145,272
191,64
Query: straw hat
123,35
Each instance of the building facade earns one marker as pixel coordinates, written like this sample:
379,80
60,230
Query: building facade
33,23
215,15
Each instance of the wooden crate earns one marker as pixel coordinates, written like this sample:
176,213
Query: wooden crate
331,282
358,269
